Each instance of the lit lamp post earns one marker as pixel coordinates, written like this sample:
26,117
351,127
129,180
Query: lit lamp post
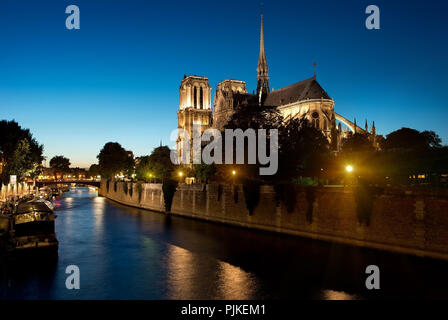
180,174
233,176
349,168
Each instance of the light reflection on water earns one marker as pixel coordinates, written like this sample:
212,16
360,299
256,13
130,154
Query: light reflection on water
337,295
186,269
236,284
99,205
127,253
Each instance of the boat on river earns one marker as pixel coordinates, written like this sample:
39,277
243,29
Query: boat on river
47,202
33,226
28,226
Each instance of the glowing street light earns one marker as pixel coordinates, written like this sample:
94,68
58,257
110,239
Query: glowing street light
233,172
181,173
349,168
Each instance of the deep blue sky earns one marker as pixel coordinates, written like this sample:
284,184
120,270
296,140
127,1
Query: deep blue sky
117,78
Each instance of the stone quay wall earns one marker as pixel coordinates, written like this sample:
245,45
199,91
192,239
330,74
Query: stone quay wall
404,221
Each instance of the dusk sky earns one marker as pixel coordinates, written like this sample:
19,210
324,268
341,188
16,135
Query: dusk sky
117,78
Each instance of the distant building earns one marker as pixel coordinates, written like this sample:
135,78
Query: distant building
304,99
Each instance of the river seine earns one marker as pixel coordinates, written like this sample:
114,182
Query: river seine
127,253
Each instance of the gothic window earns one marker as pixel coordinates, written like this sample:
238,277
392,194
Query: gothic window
195,97
315,120
201,98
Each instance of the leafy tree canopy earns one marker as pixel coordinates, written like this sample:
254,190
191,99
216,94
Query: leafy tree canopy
160,162
255,117
302,149
114,159
20,153
61,164
411,139
357,142
94,170
203,172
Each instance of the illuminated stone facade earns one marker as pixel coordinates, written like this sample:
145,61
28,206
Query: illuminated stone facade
194,108
229,94
304,99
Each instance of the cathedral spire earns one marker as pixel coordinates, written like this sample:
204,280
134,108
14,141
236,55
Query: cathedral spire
262,68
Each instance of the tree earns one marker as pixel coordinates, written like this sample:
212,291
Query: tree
252,116
302,148
249,116
432,139
94,171
17,162
203,172
410,139
113,159
60,165
357,142
156,166
143,169
20,153
160,162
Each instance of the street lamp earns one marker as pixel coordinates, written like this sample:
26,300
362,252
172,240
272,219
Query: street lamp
349,168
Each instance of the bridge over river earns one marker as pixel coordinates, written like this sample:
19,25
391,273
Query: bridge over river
92,183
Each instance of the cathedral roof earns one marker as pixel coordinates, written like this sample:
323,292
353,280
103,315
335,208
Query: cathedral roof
244,99
306,89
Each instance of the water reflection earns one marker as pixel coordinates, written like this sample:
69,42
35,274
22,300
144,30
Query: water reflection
127,253
98,212
235,284
337,295
180,273
197,276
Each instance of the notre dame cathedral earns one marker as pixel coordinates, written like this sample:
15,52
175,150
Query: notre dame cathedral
304,99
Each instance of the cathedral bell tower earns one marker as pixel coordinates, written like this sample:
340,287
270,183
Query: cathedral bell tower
194,113
262,70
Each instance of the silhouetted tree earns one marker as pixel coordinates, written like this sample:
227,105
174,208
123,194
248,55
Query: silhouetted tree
143,169
114,159
249,116
302,149
24,162
255,117
203,172
432,139
60,165
160,162
357,142
94,171
411,139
